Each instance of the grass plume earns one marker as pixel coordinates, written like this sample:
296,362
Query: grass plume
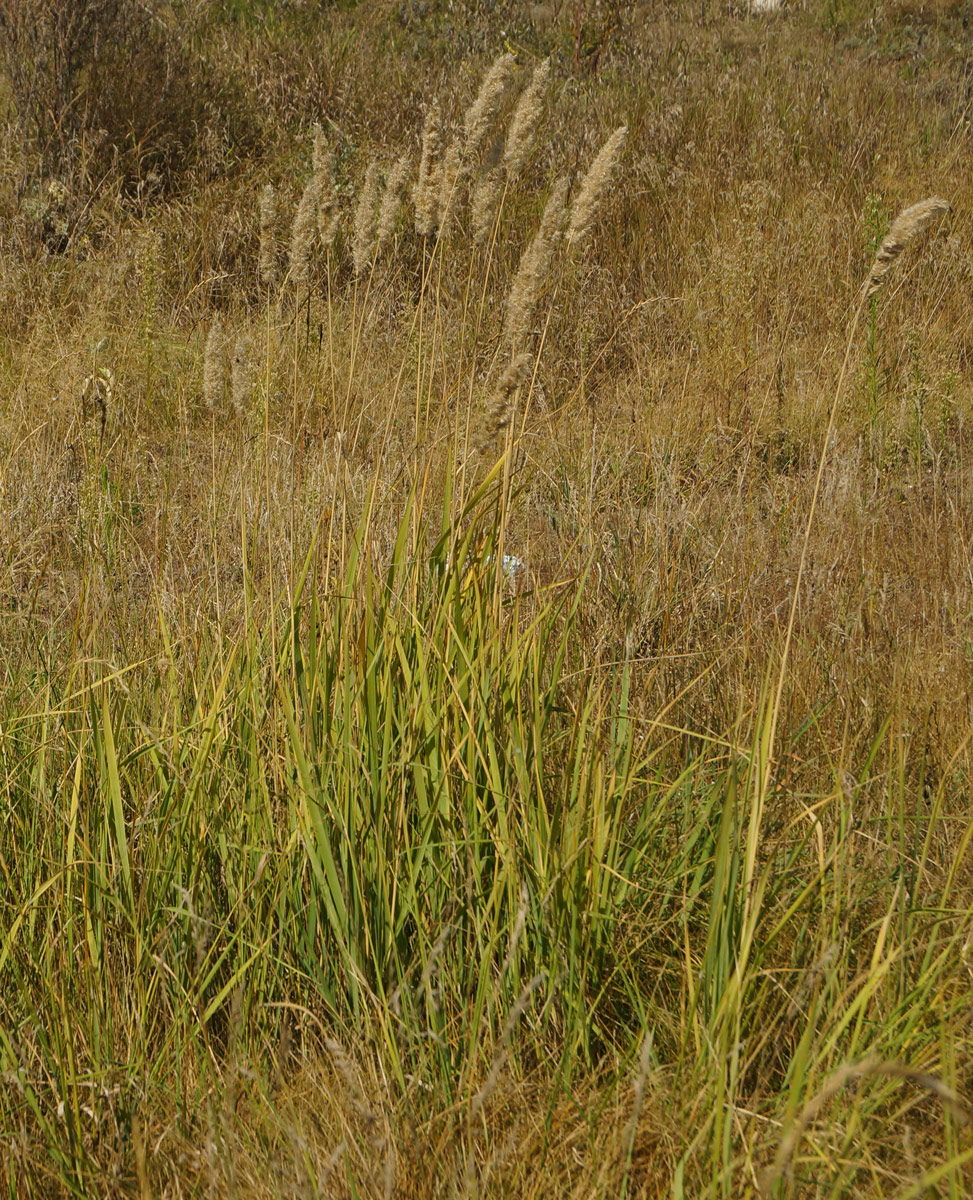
481,116
522,133
214,368
268,263
594,185
534,266
426,190
391,200
500,412
906,226
366,218
303,230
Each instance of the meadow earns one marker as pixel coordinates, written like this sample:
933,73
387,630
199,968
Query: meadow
486,599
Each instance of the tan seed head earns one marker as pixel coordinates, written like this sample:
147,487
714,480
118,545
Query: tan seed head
391,197
240,375
267,262
450,174
594,186
485,201
214,373
533,268
425,194
302,233
907,225
366,219
482,113
523,124
501,410
327,214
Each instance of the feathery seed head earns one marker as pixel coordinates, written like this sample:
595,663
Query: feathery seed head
365,219
523,124
327,213
554,210
302,233
594,185
267,262
425,194
388,210
320,152
483,111
450,174
213,366
907,225
501,410
240,375
533,268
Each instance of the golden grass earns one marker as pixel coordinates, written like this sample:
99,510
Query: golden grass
676,890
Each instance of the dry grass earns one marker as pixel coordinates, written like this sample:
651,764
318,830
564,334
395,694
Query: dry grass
688,913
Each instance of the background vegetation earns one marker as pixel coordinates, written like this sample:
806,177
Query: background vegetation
421,778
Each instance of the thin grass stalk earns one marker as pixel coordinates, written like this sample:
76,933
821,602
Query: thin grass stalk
904,229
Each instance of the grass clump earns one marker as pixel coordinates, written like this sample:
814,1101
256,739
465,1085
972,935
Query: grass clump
483,688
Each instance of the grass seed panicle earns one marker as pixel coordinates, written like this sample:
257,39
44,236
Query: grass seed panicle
594,186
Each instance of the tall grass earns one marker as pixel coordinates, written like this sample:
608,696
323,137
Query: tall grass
464,725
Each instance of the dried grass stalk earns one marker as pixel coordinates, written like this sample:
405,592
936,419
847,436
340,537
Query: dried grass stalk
594,185
391,197
482,113
523,124
907,225
518,1010
425,194
533,268
810,981
214,366
638,1087
366,219
349,1074
302,233
870,1067
268,267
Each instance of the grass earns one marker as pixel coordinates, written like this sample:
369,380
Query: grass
448,754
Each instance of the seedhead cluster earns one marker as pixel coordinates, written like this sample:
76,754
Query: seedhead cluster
458,193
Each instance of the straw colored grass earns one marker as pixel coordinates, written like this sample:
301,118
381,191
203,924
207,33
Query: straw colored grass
493,720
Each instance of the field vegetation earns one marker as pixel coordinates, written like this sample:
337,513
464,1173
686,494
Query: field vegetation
486,599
